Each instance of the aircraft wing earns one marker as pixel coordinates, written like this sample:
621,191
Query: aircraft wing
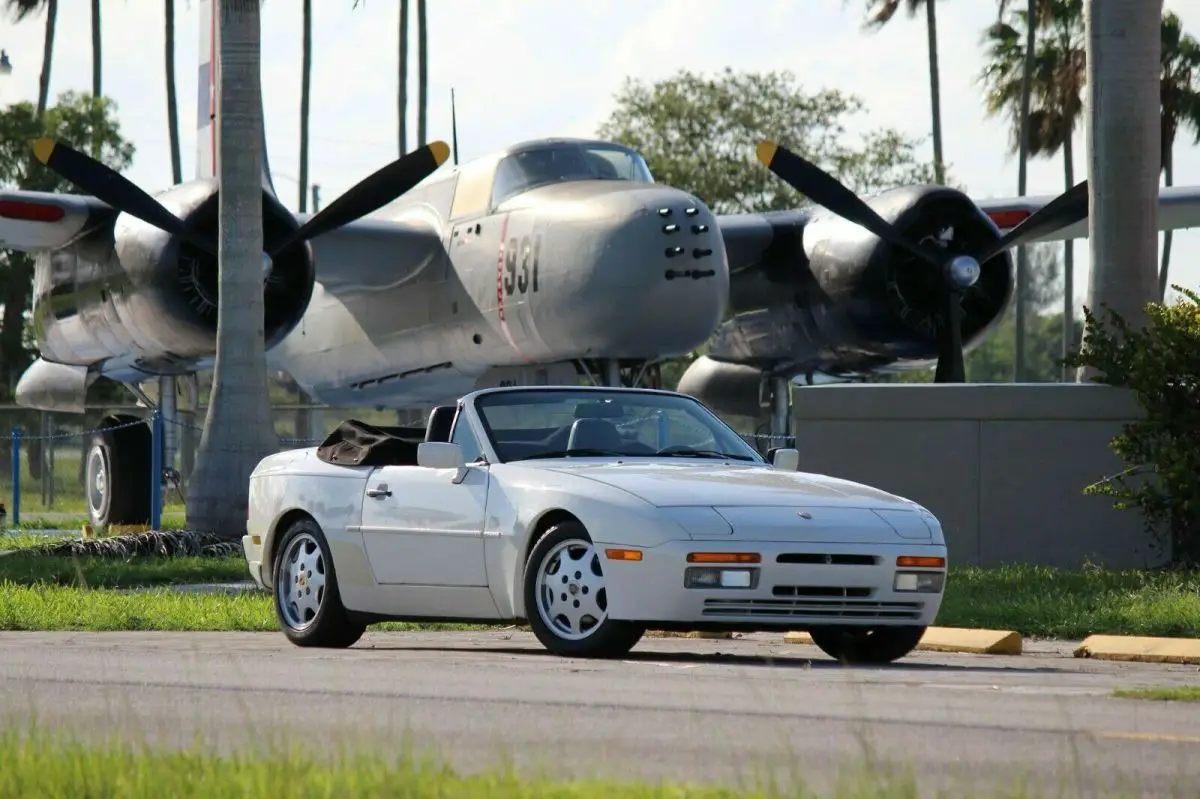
33,221
1178,208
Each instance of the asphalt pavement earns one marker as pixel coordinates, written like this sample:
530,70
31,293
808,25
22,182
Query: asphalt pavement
732,711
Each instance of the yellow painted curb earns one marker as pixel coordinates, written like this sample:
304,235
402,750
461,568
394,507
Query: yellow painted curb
692,634
1141,649
951,639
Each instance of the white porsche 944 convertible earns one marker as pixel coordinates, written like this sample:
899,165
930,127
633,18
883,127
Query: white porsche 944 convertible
592,515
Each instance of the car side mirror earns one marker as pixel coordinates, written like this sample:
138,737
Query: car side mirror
440,455
786,460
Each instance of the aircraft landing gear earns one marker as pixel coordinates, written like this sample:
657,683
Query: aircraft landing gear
618,373
117,472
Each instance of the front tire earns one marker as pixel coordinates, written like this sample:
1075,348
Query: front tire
307,602
566,599
867,645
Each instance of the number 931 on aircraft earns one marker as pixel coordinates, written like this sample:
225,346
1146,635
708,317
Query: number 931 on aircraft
592,514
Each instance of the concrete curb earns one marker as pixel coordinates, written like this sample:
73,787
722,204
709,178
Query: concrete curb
951,639
1140,649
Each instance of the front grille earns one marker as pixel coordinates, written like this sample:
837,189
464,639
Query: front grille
813,607
826,559
819,590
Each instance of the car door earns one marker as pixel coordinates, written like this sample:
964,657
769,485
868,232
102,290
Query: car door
419,527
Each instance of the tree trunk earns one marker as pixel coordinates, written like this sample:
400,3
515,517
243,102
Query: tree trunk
422,73
1068,321
1124,154
402,94
1164,270
47,57
939,164
238,429
1022,169
172,105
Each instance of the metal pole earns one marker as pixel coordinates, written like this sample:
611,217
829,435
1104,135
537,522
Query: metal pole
16,473
156,469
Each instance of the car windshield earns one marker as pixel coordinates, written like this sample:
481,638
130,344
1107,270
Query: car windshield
539,423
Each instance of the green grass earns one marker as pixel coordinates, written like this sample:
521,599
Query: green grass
58,766
1179,693
1044,602
47,593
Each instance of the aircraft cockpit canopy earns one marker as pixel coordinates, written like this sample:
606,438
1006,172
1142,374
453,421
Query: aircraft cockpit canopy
560,162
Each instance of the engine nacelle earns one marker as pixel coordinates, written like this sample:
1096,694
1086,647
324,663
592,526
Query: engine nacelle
141,301
822,294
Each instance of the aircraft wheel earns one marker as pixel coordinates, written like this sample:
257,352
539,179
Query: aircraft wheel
869,645
117,472
307,602
566,600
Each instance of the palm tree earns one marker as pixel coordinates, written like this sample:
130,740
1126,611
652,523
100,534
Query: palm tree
402,94
20,9
238,429
1180,89
879,13
1057,85
305,91
1022,122
96,63
172,109
1125,158
422,73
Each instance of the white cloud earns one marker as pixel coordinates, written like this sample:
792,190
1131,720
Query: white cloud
531,68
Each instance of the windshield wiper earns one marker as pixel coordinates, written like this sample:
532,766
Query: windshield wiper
567,453
703,453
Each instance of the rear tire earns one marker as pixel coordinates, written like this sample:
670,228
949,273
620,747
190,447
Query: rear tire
566,599
117,472
307,602
867,645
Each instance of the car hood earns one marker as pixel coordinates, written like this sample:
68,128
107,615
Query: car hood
725,485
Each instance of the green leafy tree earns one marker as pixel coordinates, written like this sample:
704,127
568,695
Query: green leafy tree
1160,364
699,133
78,120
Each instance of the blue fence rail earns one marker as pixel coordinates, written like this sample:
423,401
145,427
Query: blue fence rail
34,456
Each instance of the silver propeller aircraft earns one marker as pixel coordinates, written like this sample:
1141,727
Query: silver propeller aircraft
549,260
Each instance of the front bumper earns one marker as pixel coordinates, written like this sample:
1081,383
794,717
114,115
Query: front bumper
252,547
794,586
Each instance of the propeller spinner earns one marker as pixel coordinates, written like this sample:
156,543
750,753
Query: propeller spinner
959,272
368,195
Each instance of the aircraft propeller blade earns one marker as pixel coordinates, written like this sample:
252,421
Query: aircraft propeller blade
950,365
105,183
371,193
825,190
1066,209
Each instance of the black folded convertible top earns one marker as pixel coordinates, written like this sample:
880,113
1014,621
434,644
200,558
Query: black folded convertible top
356,443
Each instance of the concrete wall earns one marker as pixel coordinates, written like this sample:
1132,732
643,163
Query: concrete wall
1002,465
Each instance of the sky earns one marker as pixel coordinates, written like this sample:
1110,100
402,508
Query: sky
525,69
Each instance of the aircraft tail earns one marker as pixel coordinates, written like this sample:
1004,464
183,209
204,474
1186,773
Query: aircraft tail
206,107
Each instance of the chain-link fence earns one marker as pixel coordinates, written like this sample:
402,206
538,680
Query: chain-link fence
43,455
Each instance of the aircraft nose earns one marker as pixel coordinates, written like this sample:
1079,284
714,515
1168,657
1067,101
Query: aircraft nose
657,277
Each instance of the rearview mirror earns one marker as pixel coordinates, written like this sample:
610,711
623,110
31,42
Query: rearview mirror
786,460
440,455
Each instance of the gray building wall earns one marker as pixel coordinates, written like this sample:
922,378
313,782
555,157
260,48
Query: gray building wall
1003,466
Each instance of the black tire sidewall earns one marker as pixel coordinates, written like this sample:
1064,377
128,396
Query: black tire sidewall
886,645
331,626
609,638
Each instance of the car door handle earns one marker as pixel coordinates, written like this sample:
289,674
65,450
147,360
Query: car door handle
380,490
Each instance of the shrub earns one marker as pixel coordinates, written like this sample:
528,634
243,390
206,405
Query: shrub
1160,364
